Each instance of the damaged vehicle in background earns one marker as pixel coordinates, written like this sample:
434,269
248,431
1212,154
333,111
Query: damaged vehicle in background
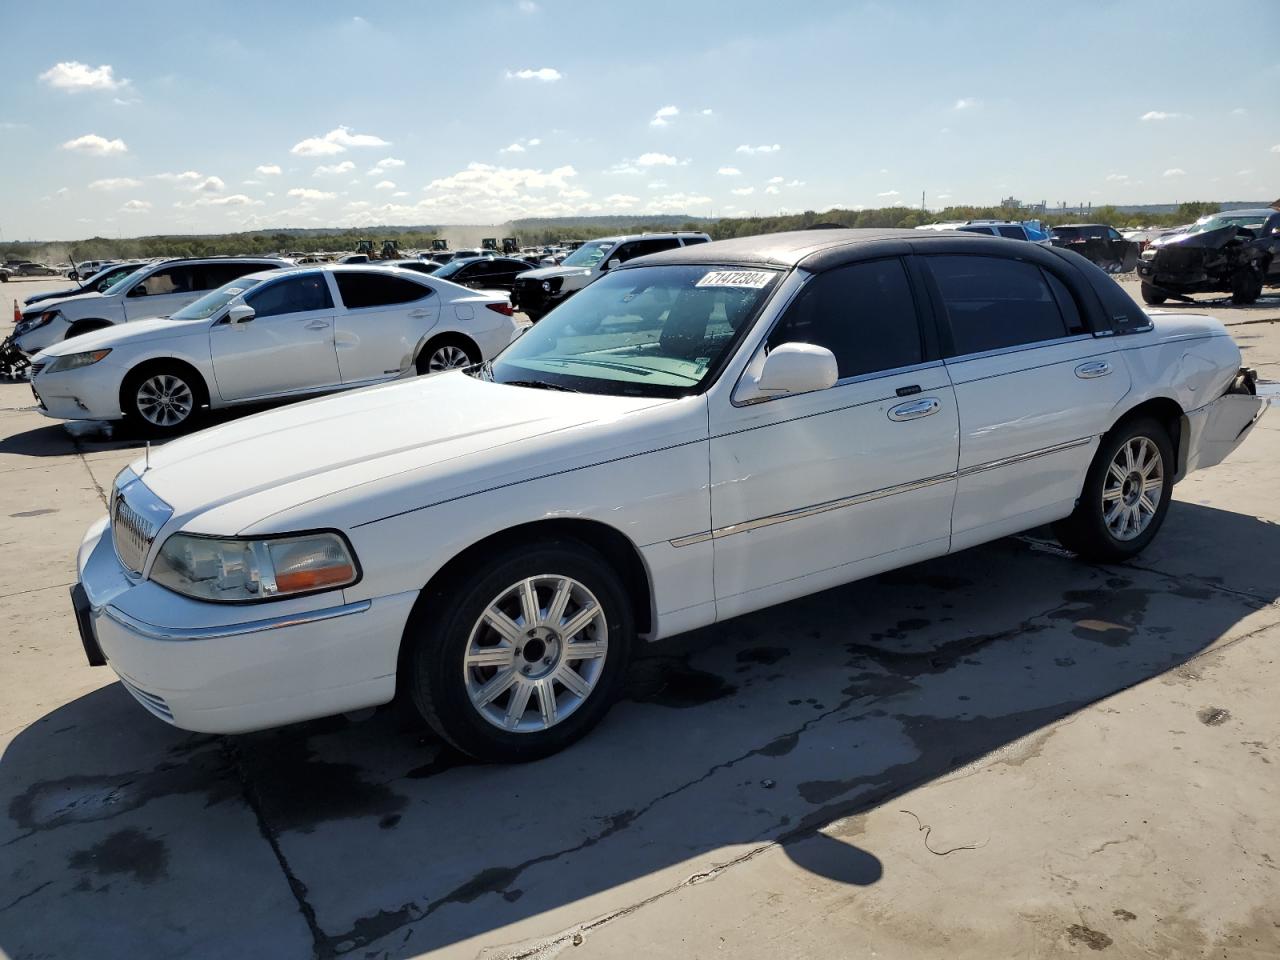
1236,252
1097,243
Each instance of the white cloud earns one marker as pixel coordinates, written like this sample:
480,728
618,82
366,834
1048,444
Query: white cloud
772,189
512,148
743,191
336,140
268,169
251,183
545,74
888,193
775,180
621,200
136,206
729,172
1239,112
209,185
656,160
676,202
707,112
383,165
1276,148
626,166
186,176
1117,178
332,169
234,200
763,148
76,77
1175,172
98,146
401,193
1161,115
306,193
115,183
657,185
662,117
1244,173
384,185
967,103
527,6
795,183
61,192
490,181
534,141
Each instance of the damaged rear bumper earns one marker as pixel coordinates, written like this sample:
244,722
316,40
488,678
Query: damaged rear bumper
1217,428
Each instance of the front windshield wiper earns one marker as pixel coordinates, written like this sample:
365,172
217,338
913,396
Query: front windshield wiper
539,384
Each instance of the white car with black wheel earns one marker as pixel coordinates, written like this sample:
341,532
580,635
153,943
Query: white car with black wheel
699,434
271,336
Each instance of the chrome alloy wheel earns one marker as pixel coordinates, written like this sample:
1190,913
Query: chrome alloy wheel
165,400
1132,489
536,653
448,357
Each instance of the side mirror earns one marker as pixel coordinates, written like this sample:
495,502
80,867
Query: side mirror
139,291
787,369
612,264
240,313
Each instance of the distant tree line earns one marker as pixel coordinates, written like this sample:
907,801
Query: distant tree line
538,232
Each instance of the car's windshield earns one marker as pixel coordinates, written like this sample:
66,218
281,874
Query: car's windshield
452,267
214,300
1251,221
659,331
119,285
587,255
110,276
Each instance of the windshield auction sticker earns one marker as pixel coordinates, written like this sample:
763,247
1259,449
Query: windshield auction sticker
755,279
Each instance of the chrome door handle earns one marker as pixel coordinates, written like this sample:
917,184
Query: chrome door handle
915,409
317,325
419,314
1088,371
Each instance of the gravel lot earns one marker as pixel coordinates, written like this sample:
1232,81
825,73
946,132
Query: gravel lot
1001,753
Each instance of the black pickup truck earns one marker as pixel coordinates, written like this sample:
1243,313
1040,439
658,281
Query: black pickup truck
1236,252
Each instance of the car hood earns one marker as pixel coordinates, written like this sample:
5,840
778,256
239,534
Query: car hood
56,295
43,306
1209,240
546,273
370,454
117,335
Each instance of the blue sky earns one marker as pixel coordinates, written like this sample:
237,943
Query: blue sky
131,118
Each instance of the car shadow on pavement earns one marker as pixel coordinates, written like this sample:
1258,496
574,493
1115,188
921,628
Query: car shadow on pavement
372,838
90,436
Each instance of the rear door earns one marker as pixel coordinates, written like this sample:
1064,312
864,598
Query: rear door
1035,390
383,320
287,346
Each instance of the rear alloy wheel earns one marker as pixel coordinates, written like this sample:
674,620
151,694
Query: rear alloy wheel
1126,494
164,402
449,355
1246,286
523,657
1152,296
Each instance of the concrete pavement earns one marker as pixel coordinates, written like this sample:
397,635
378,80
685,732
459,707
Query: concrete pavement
1000,753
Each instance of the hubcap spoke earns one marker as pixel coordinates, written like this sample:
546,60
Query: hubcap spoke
1117,472
547,702
503,624
580,621
591,650
529,604
499,656
495,687
517,705
555,612
572,681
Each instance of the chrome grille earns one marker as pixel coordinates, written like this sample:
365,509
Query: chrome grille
137,515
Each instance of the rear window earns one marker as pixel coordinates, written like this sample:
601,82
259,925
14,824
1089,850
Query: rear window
360,290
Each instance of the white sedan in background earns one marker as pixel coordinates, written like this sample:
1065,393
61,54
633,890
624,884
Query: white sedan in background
268,336
697,434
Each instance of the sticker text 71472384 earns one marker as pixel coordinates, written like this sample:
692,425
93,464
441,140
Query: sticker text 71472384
755,279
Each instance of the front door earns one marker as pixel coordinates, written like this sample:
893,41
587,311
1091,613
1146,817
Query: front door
1036,391
287,346
816,489
163,293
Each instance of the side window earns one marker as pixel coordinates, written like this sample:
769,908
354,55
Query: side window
690,241
992,303
377,290
986,231
291,295
863,313
1016,233
1067,304
170,280
217,274
1114,234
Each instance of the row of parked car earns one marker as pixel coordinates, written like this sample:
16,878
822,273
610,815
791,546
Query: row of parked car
695,434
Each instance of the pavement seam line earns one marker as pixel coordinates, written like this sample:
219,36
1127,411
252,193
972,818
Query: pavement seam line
319,942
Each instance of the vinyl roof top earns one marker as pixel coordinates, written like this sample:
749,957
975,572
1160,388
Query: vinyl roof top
792,248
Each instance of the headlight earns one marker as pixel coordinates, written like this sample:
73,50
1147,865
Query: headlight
74,361
236,570
1149,253
546,286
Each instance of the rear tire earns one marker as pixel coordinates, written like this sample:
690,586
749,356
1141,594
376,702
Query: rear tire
1125,496
486,664
1152,296
449,352
163,401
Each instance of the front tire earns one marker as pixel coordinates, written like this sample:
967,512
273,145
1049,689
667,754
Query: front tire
162,401
523,656
1126,494
1152,296
1246,287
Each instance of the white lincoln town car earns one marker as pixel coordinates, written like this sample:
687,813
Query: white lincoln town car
696,435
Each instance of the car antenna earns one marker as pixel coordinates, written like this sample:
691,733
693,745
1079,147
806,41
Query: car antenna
146,464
